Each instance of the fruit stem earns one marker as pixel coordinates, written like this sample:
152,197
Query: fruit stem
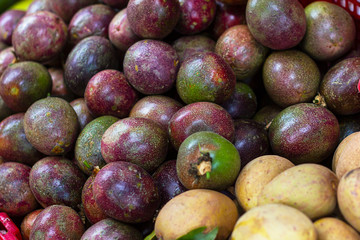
319,100
96,170
204,164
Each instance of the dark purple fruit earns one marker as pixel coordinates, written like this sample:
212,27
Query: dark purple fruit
14,146
119,4
23,83
266,114
200,116
82,111
16,198
111,229
5,111
56,180
126,192
304,133
67,8
277,24
153,18
8,21
348,125
42,29
151,66
38,5
88,57
7,57
59,89
88,145
51,126
57,222
109,93
137,140
90,21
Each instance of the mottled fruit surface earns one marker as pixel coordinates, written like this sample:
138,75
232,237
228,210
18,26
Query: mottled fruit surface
205,77
51,126
8,21
7,57
82,111
201,116
153,18
27,223
304,132
57,222
277,24
126,192
151,66
137,140
42,29
67,8
14,146
23,83
16,198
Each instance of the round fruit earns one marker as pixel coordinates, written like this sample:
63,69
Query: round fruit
27,224
7,57
59,89
8,21
67,8
82,112
332,229
38,5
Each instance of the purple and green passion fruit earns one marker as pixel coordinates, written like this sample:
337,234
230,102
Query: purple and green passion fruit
207,160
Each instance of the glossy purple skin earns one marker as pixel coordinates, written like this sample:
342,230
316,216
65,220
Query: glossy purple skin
120,32
137,140
227,16
57,222
56,180
42,29
304,133
251,140
38,5
7,57
16,198
200,116
151,66
14,146
5,111
8,21
188,46
277,24
126,192
93,20
111,229
340,87
242,103
92,210
67,8
90,56
82,111
157,108
51,126
196,16
167,181
153,18
59,89
119,4
109,93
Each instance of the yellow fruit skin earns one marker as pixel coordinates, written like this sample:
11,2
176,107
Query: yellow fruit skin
334,229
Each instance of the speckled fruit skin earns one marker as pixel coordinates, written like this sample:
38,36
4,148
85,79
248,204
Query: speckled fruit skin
8,21
151,66
227,16
241,51
157,108
109,93
200,116
153,18
111,229
16,198
27,223
67,8
330,31
7,57
304,132
251,140
38,5
82,111
120,32
88,144
92,210
196,16
167,182
23,83
93,20
59,89
13,144
291,77
137,140
126,192
5,111
277,24
90,56
42,29
339,87
225,161
56,180
187,46
51,126
242,103
119,4
57,222
205,77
